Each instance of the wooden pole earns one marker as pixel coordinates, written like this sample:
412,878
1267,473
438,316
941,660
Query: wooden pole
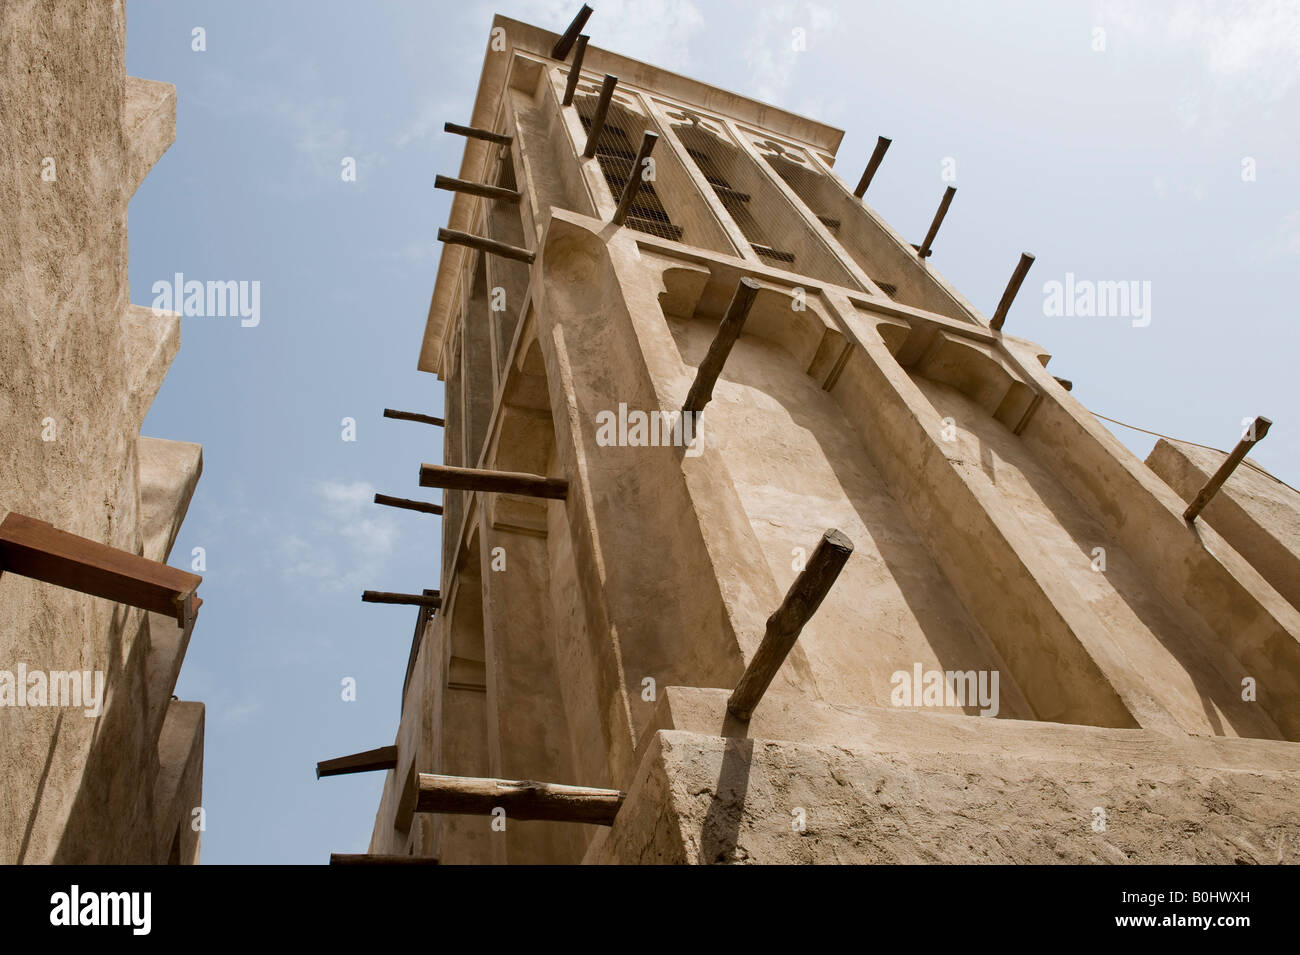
473,132
493,482
873,164
562,45
475,188
39,550
372,760
783,627
485,245
423,507
412,416
520,798
924,250
1009,295
633,184
728,331
575,71
598,120
375,858
1254,434
416,600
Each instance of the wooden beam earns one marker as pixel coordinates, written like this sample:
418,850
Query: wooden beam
598,120
520,798
633,184
575,71
413,416
728,331
415,600
565,42
424,507
493,482
873,164
485,245
376,858
1009,295
1254,434
923,250
36,549
475,188
783,627
473,132
370,761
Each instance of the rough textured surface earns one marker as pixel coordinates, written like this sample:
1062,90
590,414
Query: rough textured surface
81,367
1145,667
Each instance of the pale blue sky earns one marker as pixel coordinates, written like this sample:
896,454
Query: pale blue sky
1119,164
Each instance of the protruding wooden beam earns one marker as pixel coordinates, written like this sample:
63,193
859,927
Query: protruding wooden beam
424,507
923,250
575,71
520,798
485,245
873,164
368,762
565,42
473,132
493,482
598,119
728,331
415,600
783,627
39,550
633,184
1009,295
376,858
413,416
1254,434
476,188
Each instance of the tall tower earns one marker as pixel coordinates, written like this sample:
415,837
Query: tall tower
1030,654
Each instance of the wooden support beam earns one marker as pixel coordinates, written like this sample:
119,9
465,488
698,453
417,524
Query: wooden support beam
473,132
475,188
633,184
376,858
873,164
424,507
598,120
783,627
1254,434
415,600
565,42
728,331
368,762
485,245
39,550
493,482
1009,295
575,71
520,798
413,416
923,250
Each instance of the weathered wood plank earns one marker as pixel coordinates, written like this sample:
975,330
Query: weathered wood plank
1254,434
923,250
473,132
733,321
873,164
633,184
1009,295
520,798
483,244
423,507
494,482
39,550
414,600
783,627
413,416
483,189
565,42
575,71
598,118
385,757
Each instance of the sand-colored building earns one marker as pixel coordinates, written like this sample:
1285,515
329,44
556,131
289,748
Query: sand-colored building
1147,697
99,763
